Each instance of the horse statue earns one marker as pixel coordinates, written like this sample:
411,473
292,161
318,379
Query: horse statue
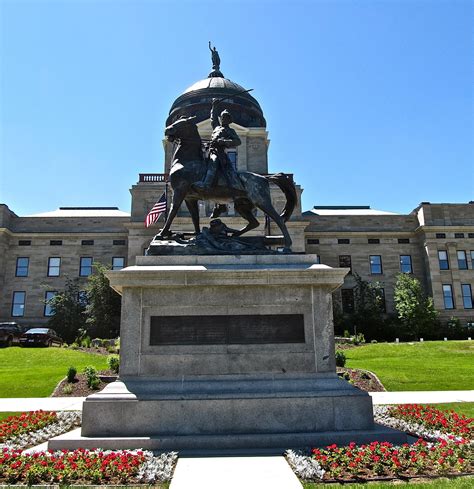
189,167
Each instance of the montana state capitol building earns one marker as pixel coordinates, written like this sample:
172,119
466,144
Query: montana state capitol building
435,242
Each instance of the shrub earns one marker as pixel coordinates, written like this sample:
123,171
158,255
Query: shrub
74,346
67,389
347,334
71,374
340,358
111,349
374,342
359,338
94,383
86,342
91,375
113,362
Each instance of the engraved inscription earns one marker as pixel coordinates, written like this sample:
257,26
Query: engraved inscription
227,330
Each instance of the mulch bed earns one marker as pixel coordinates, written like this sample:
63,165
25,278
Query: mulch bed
362,379
79,386
99,350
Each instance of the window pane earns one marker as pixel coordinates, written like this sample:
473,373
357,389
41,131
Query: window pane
47,307
443,260
466,296
22,264
448,297
85,266
118,262
18,304
405,264
472,260
345,261
375,264
462,260
54,267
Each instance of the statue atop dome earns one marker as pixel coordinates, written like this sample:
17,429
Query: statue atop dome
216,63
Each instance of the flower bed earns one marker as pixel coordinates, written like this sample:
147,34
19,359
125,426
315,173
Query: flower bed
382,460
24,423
425,422
444,421
62,422
85,467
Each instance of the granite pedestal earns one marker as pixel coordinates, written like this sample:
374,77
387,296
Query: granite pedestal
227,352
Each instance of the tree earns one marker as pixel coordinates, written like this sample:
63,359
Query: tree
415,309
103,305
67,311
369,308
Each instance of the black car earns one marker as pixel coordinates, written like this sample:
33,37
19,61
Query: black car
9,334
40,336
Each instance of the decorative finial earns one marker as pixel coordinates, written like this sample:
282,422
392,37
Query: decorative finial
216,63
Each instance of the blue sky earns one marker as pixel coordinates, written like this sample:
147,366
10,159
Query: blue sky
367,102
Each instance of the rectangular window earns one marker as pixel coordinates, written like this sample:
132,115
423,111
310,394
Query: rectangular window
87,242
405,264
118,262
466,296
375,264
448,296
443,260
22,264
459,235
85,268
56,242
403,240
24,242
347,297
462,260
374,241
119,242
49,295
343,241
54,266
18,304
472,260
312,241
470,235
440,235
345,262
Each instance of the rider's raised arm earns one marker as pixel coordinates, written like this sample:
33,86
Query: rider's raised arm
214,114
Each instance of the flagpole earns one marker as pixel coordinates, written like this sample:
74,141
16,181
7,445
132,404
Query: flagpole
166,197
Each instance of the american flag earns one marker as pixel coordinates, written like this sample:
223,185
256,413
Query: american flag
156,211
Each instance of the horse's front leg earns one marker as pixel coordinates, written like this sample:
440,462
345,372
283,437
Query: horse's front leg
178,197
193,209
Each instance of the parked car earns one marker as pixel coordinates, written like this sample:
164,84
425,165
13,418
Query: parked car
10,333
40,336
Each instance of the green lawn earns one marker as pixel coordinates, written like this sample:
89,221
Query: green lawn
34,372
428,366
466,408
457,483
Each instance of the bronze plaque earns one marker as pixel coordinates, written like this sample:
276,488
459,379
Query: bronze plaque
227,330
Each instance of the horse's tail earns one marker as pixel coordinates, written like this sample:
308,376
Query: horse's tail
287,186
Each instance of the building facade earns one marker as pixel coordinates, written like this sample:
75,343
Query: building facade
435,242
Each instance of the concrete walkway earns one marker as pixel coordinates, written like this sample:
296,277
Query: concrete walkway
234,473
75,403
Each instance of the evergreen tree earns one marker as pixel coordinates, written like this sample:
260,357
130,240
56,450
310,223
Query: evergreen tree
103,305
67,310
415,309
369,308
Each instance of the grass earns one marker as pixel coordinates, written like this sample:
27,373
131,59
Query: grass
466,408
6,414
35,372
456,483
427,366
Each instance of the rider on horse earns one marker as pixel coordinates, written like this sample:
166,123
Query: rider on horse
223,136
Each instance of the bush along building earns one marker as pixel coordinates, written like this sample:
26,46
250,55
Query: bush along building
434,243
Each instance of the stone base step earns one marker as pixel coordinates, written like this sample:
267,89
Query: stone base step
274,443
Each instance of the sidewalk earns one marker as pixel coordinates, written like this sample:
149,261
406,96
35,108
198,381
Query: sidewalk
75,403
